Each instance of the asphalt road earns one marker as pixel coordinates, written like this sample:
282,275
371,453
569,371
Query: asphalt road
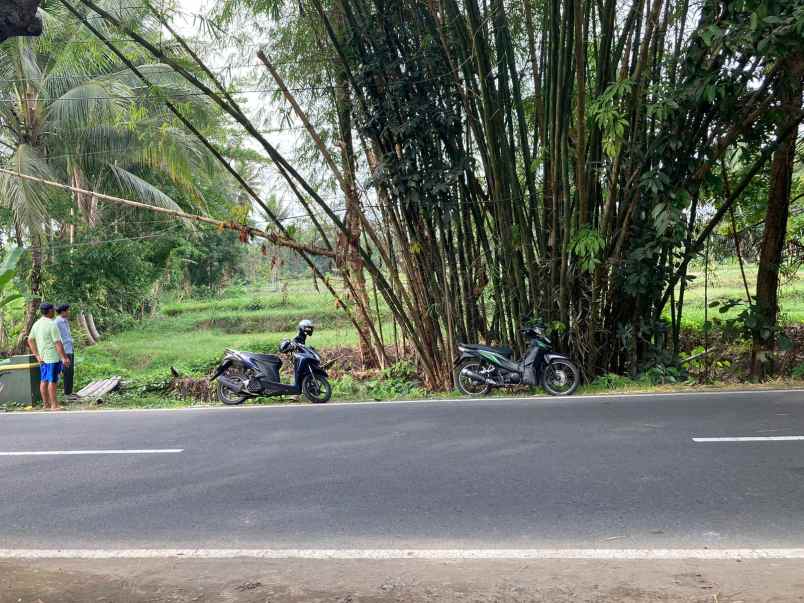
617,472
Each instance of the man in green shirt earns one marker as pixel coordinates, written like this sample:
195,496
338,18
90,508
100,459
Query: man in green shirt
45,343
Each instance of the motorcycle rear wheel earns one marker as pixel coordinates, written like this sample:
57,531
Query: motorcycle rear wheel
561,378
465,384
226,395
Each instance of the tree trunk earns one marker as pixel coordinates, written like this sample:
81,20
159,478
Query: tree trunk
3,331
32,307
87,203
82,321
93,330
770,255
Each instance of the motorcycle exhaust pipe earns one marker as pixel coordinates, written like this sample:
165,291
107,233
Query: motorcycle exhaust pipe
479,377
235,386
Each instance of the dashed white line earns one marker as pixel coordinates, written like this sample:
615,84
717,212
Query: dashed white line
398,554
751,439
85,452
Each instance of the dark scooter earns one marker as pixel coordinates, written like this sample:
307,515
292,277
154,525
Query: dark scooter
244,375
481,368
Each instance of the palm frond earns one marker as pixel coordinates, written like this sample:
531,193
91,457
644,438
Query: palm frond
90,103
27,200
27,64
141,190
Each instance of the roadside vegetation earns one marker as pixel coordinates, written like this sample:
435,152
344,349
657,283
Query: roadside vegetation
190,336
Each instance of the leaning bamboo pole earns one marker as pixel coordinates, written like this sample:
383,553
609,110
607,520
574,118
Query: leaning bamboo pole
246,232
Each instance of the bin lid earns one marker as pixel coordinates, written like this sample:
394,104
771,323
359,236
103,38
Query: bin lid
22,361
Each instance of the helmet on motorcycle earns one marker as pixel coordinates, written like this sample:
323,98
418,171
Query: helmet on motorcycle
306,327
285,346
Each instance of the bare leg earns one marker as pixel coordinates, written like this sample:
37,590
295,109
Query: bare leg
54,402
43,391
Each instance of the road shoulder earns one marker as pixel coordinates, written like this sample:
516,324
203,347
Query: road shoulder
296,581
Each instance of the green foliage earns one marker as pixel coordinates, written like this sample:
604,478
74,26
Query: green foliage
8,270
210,259
112,280
88,123
403,370
610,381
661,374
750,323
697,360
606,112
587,245
349,388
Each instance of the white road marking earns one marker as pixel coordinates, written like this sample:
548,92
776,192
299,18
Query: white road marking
751,439
391,554
82,452
561,400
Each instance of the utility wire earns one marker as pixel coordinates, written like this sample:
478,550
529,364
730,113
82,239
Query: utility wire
161,69
245,230
156,235
163,95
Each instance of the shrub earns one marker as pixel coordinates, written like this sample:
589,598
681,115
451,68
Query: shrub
611,381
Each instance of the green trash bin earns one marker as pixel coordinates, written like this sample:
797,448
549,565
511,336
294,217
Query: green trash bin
19,380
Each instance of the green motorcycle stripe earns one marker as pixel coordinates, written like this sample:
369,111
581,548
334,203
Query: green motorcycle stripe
490,356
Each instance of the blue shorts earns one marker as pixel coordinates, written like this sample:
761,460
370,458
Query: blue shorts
50,372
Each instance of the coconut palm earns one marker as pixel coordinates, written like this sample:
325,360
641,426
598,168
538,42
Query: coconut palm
70,111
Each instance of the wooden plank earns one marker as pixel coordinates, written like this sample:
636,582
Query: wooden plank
89,389
98,389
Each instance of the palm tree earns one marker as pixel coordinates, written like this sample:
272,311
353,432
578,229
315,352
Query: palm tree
70,111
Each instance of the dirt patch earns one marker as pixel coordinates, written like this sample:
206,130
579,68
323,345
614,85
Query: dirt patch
252,581
189,388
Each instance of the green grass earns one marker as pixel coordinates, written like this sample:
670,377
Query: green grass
725,282
192,335
149,352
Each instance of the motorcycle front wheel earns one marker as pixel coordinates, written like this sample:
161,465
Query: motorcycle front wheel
467,385
561,378
228,396
316,389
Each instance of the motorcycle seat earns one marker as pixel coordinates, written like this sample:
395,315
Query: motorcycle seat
270,358
502,351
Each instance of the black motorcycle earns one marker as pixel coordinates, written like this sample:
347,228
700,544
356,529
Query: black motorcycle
481,368
244,375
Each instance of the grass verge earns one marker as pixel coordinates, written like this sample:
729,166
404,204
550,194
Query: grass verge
132,399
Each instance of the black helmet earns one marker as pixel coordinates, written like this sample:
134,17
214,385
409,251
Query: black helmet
285,346
306,327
